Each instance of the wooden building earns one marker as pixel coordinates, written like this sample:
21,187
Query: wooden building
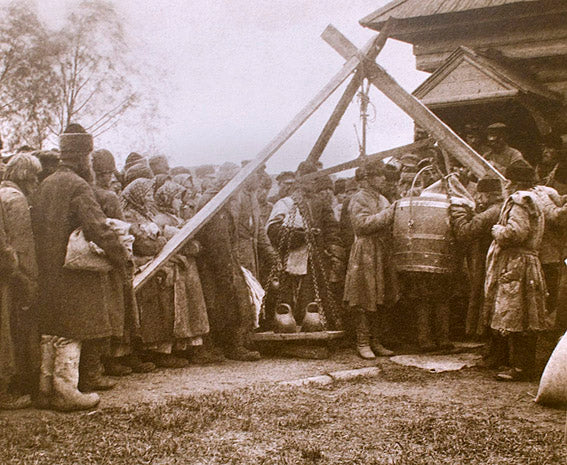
491,60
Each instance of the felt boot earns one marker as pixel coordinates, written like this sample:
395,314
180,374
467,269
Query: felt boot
45,392
205,354
375,336
162,360
10,401
522,351
66,396
113,367
91,369
363,337
497,352
237,351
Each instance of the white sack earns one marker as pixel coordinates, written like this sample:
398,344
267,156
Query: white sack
553,384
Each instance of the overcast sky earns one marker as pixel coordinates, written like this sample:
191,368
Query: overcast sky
235,72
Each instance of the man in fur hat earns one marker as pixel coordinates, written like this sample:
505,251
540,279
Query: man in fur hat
515,291
73,308
371,285
473,230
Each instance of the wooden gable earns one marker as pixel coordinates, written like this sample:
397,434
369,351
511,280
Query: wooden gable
467,77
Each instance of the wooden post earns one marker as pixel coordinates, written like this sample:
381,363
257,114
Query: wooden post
370,53
216,203
396,152
335,118
424,117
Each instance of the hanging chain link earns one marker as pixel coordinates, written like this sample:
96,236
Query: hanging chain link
284,244
314,259
317,263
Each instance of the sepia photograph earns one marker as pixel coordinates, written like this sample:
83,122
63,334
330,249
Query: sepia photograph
284,232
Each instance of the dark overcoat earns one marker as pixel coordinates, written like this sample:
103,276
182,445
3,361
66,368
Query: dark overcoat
73,304
474,230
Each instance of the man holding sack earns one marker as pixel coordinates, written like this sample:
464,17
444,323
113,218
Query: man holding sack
73,302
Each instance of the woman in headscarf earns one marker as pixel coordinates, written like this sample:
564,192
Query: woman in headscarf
156,315
186,294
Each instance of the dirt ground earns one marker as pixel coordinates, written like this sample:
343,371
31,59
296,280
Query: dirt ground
242,413
468,386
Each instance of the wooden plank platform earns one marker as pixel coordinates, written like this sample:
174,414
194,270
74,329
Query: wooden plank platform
270,336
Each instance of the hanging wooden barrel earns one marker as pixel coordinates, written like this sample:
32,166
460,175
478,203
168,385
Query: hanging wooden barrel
423,240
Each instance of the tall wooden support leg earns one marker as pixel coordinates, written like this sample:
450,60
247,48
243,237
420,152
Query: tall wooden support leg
349,93
424,117
217,202
335,118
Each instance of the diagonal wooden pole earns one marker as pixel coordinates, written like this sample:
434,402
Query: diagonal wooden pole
422,115
216,203
370,54
396,152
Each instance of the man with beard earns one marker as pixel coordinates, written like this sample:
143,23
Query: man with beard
500,154
371,286
515,291
73,306
473,230
303,229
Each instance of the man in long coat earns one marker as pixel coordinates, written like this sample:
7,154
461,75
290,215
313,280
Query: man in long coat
371,284
515,291
19,338
73,307
230,311
303,229
474,231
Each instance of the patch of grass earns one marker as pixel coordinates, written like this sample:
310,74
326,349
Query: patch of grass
341,423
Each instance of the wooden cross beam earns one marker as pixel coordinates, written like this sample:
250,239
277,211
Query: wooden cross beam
422,115
218,201
347,96
396,152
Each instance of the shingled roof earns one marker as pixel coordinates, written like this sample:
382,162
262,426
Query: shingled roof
408,9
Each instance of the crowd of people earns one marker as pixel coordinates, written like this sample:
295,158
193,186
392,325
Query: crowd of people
298,252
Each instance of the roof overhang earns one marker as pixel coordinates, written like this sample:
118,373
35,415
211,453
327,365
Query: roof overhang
468,77
414,19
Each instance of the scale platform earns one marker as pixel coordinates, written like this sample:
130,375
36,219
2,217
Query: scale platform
270,336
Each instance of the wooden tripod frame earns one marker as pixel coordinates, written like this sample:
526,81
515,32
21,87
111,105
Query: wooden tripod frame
363,64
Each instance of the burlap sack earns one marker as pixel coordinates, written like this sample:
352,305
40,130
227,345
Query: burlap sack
553,384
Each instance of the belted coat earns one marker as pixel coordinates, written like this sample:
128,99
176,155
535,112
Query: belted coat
515,291
72,303
371,278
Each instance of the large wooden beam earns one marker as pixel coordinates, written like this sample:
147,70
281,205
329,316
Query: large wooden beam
336,116
370,53
396,152
424,117
216,203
